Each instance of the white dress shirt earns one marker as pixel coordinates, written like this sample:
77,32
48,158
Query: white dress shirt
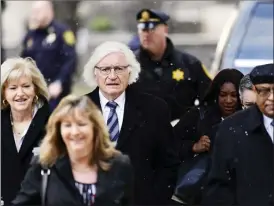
269,127
119,109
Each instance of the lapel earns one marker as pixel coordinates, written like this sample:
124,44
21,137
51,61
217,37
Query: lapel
7,133
64,172
35,130
255,123
132,117
132,113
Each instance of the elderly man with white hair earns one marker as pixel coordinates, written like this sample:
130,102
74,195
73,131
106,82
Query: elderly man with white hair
138,123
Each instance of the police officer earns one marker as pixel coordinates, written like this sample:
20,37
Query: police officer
52,46
177,77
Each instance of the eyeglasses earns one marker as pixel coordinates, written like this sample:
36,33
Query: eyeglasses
107,70
264,92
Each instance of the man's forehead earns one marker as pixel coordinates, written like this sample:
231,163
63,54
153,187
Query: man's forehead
41,5
265,85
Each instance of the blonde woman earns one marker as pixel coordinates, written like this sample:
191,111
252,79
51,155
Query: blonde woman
84,168
24,112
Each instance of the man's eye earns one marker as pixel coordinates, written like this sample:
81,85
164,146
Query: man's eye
119,68
105,69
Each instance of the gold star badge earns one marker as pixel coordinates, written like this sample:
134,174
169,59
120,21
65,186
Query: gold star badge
178,75
145,15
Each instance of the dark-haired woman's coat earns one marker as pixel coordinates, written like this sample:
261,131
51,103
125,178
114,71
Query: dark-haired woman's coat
14,165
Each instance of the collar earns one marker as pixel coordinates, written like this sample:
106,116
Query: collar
267,121
119,100
167,54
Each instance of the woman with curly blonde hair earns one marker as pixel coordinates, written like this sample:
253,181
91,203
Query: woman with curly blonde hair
83,165
24,112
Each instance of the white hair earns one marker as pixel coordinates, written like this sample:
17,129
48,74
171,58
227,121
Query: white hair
105,49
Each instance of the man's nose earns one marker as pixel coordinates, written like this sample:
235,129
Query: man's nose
112,74
271,95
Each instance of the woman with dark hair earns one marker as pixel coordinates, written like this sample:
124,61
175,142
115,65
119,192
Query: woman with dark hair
196,128
221,100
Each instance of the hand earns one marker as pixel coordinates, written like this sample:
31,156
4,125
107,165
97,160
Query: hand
55,89
202,145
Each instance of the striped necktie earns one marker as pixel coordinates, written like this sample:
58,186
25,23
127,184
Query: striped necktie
112,123
272,123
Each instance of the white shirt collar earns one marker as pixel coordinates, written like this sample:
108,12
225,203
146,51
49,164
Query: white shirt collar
267,121
119,100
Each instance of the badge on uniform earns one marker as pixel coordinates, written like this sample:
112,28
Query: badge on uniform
50,38
29,43
178,75
69,38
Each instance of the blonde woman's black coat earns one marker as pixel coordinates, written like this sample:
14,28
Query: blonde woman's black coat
113,187
14,165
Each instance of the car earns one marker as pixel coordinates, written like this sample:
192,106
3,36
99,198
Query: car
247,39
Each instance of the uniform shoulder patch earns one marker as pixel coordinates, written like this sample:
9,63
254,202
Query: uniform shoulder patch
69,37
206,71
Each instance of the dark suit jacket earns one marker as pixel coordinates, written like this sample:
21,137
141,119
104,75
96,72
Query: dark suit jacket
242,171
14,164
147,137
113,187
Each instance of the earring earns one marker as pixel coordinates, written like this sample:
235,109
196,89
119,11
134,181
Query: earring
5,102
36,99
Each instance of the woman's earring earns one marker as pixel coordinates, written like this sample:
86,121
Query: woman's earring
5,102
36,99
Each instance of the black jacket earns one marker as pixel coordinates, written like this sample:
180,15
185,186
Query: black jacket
147,138
242,171
195,123
113,187
179,78
14,164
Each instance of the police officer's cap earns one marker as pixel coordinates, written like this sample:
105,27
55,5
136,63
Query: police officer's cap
149,18
263,74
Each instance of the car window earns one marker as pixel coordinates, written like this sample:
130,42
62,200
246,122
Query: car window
257,42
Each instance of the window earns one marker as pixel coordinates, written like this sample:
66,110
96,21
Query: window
257,42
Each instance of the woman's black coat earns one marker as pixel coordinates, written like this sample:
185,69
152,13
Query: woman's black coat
113,187
14,165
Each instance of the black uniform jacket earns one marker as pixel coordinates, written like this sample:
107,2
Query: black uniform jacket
14,165
147,137
113,187
179,78
242,171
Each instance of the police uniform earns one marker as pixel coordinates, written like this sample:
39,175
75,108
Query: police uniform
53,49
179,78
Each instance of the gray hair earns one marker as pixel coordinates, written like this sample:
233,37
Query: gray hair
103,50
245,84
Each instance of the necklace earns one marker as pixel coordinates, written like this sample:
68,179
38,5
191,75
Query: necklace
15,130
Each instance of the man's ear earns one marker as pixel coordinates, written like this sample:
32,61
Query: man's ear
166,30
254,89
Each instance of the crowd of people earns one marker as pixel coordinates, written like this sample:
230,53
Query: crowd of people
116,145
